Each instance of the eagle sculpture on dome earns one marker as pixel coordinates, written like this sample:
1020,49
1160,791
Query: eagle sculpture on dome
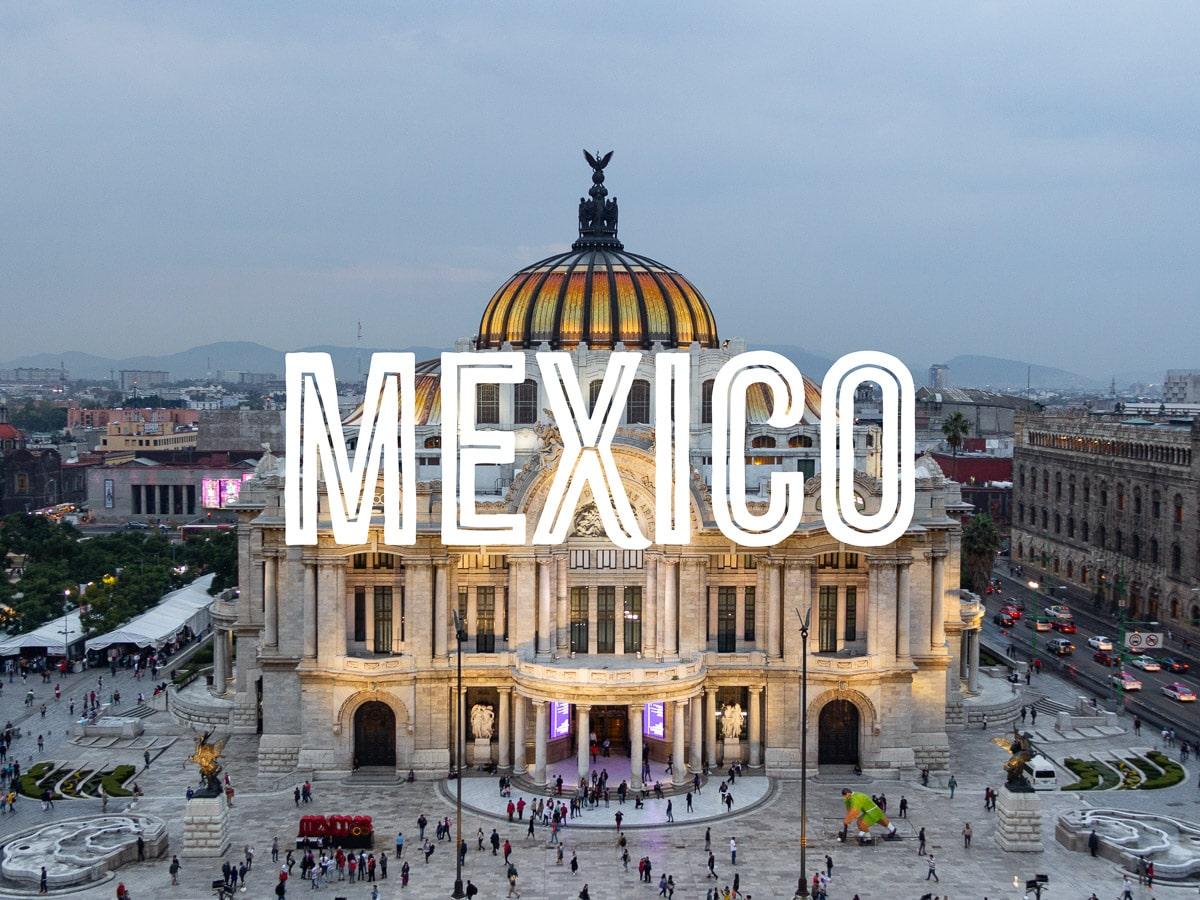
597,162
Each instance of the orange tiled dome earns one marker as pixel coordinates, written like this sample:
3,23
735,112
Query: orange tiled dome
600,295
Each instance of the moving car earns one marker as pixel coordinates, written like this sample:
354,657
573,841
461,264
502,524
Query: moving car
1004,620
1063,626
1125,681
1105,658
1058,612
1100,642
1011,611
1177,690
1060,647
1173,664
1041,774
1038,623
1146,663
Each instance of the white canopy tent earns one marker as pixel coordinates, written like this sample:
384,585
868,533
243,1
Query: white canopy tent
190,606
48,638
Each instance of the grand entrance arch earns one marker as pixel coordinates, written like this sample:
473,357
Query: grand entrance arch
374,735
837,733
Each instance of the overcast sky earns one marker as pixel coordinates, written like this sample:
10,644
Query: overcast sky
1016,180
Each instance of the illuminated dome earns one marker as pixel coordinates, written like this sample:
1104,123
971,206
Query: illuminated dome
597,293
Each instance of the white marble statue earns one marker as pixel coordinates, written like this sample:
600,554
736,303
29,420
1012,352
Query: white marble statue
731,721
483,720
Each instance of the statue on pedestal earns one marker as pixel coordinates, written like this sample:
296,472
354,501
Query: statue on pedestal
731,721
483,720
205,757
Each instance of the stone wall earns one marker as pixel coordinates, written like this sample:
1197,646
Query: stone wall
1019,822
191,708
206,827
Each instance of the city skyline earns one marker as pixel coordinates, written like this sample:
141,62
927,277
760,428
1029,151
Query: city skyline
905,181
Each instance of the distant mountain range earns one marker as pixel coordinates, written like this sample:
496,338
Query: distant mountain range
199,362
965,370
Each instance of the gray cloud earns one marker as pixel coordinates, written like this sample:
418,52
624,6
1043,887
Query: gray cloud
1014,179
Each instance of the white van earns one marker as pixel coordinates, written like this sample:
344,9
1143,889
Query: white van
1041,774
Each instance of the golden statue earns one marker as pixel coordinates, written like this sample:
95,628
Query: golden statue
1022,751
206,756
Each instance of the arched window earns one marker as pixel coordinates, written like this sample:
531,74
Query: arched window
1021,476
593,394
1070,569
1058,485
1136,550
1137,501
763,440
637,412
1178,504
1020,550
1102,537
1084,574
1103,494
706,392
487,404
1156,504
1174,607
1045,519
433,442
1119,541
1056,564
1057,523
1083,530
1154,550
1071,489
1120,496
1195,616
525,401
1046,481
800,440
1176,559
1070,526
1087,490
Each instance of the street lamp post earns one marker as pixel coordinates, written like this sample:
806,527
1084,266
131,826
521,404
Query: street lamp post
460,635
802,887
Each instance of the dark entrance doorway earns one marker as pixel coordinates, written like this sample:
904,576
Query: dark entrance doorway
374,735
837,739
611,722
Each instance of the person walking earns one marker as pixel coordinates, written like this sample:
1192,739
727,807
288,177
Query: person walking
932,873
670,812
712,866
921,841
511,872
903,807
952,784
1093,842
966,834
1033,715
828,865
574,863
707,839
174,869
733,851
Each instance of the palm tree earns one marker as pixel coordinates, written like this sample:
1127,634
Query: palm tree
955,428
980,541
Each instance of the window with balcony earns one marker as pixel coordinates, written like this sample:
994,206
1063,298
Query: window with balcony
726,619
606,619
383,619
485,619
632,615
525,402
579,620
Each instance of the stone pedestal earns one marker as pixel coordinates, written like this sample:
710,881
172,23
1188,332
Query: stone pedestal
1019,822
731,751
206,827
481,753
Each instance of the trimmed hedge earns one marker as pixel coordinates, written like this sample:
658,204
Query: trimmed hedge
1087,775
114,781
1172,772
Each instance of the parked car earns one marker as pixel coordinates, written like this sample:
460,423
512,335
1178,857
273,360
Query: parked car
1125,681
1100,642
1060,647
1038,623
1064,626
1003,620
1174,664
1146,663
1177,690
1105,658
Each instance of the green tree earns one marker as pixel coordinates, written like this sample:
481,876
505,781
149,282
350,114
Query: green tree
980,541
955,428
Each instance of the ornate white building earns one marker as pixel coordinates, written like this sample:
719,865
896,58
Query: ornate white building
345,655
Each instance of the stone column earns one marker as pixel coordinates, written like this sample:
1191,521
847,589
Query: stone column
271,601
220,652
650,612
973,662
503,740
310,610
904,613
882,601
755,726
678,736
563,616
518,734
583,728
710,722
539,743
545,627
774,645
635,746
697,714
441,613
671,609
331,636
938,601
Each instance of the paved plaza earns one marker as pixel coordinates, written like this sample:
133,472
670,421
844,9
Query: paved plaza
765,823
